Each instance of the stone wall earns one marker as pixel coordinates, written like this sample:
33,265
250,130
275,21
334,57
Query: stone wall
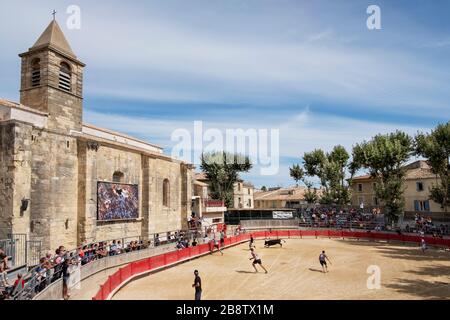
54,189
99,164
15,159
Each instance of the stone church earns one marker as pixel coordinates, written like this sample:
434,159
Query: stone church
51,162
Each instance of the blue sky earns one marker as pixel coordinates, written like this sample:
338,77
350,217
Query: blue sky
311,69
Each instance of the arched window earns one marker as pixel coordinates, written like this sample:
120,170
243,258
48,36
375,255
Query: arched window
36,72
166,192
65,77
117,177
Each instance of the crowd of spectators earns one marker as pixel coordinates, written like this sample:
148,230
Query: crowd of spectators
342,218
425,225
61,263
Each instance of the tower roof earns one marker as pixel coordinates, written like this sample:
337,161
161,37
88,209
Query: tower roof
54,37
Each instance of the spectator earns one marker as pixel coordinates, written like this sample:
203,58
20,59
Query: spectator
41,275
5,286
3,259
66,278
119,247
19,284
81,254
113,249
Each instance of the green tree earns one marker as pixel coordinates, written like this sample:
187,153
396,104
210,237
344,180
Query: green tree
263,188
385,157
222,170
297,173
331,169
311,196
435,147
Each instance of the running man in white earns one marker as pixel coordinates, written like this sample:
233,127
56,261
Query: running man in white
323,261
423,244
256,260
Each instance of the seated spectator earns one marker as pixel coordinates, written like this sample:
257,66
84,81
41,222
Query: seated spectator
19,284
179,245
113,249
5,287
41,275
101,251
119,247
3,259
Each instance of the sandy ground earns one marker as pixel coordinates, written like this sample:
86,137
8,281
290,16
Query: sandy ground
295,273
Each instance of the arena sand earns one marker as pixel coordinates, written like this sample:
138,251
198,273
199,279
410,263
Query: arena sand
295,273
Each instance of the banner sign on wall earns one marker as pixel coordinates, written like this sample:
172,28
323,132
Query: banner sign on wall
283,214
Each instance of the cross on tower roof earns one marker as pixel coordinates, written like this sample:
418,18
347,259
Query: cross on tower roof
54,14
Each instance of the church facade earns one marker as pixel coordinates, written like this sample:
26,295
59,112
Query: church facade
51,163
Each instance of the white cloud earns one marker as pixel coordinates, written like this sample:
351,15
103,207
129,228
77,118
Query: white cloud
300,133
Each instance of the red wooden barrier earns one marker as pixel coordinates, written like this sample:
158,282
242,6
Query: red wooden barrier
259,234
139,266
125,272
335,234
393,237
158,261
409,238
171,257
283,233
106,289
227,241
294,233
99,295
322,233
183,254
115,280
194,250
308,233
203,248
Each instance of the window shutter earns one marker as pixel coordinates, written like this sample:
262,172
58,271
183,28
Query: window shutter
416,205
427,205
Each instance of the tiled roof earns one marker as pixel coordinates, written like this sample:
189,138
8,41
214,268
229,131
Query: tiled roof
287,194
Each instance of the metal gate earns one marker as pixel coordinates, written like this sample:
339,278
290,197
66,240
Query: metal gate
22,252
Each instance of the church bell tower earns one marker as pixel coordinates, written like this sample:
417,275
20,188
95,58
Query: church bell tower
52,80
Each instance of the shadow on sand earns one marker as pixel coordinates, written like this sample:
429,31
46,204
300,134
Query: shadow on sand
244,271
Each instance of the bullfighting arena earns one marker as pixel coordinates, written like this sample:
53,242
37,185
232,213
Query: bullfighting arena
295,273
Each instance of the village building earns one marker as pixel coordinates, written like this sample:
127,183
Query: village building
418,181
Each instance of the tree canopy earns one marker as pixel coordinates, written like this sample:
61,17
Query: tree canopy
222,170
385,157
435,147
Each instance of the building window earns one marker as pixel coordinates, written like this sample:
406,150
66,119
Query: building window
249,191
239,186
216,220
419,186
249,202
166,193
374,185
360,187
65,77
117,177
375,201
421,205
36,73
